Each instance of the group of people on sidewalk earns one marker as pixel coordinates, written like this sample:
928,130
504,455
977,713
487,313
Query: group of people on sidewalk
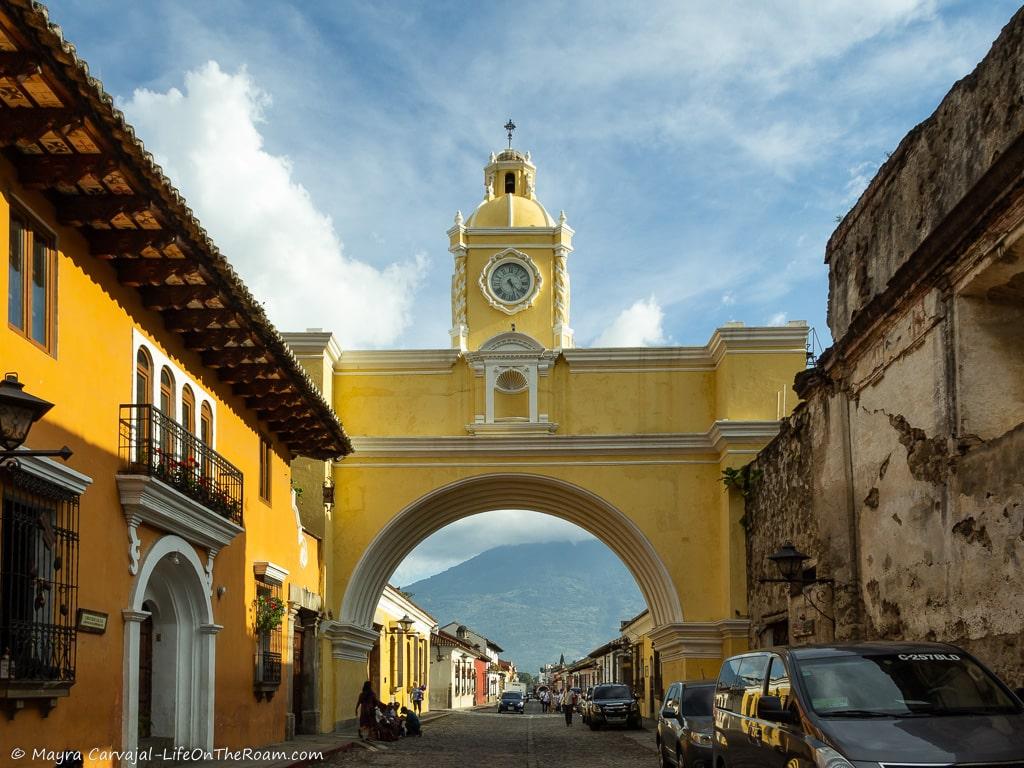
387,722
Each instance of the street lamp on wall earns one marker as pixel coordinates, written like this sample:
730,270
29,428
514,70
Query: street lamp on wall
405,623
18,412
789,561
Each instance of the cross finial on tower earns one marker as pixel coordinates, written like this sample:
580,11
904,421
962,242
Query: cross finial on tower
510,126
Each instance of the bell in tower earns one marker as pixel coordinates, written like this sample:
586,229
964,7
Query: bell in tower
510,260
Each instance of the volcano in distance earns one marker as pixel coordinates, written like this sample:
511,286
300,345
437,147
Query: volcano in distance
537,601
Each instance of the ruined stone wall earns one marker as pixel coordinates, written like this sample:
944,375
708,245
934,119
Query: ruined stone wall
922,529
935,166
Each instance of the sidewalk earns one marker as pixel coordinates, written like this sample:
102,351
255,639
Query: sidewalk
300,752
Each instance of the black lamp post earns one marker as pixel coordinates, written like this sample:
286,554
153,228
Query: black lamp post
405,623
18,412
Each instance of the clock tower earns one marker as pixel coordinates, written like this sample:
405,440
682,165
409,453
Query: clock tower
511,256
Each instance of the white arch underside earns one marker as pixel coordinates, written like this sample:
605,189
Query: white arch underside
486,493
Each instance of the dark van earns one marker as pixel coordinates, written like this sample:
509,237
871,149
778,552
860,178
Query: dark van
858,705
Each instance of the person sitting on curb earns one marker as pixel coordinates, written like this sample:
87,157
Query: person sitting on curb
412,723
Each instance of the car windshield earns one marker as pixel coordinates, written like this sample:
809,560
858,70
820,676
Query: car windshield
697,701
612,692
901,685
511,696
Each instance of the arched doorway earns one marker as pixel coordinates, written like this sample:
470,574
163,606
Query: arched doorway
169,649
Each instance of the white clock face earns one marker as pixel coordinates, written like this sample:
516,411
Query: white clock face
510,282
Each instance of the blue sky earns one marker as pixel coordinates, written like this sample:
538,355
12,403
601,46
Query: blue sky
701,150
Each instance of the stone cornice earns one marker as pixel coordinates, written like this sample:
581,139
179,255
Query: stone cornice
719,438
726,340
696,639
270,572
54,473
349,642
146,499
397,361
313,344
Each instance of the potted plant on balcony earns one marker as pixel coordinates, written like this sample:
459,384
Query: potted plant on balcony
269,613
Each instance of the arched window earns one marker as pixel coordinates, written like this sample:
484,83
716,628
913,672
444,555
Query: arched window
206,424
510,182
167,392
188,409
143,377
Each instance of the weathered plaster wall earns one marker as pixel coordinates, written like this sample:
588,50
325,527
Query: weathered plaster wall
938,518
927,176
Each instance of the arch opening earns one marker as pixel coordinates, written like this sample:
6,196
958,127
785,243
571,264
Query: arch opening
491,492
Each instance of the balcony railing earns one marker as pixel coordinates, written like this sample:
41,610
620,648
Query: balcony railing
268,668
151,443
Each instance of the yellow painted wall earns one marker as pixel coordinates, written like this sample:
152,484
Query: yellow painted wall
88,377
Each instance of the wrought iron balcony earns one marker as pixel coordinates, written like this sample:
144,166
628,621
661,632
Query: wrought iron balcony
268,669
153,444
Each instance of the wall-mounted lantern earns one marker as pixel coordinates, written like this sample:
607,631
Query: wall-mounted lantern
18,412
789,561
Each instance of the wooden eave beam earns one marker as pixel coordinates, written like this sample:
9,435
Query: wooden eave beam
248,373
39,171
183,320
115,243
31,123
176,296
232,356
19,64
219,338
274,402
76,210
261,388
138,272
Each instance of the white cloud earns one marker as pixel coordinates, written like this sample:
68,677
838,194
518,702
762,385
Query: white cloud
638,326
209,141
470,536
779,318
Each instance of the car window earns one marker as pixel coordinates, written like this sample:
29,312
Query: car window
672,697
511,695
726,681
697,701
902,684
612,692
749,685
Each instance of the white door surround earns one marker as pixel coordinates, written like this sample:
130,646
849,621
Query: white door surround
173,580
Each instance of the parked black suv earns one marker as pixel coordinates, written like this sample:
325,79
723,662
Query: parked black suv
862,704
613,704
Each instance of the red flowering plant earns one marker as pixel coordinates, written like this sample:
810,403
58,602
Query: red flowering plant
269,612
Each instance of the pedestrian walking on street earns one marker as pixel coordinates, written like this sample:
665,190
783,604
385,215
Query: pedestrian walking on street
417,697
366,709
569,700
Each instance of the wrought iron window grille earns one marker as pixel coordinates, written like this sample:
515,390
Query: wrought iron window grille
38,589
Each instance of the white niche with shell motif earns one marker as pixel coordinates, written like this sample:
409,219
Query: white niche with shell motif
511,365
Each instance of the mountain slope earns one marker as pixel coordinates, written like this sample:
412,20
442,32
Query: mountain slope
536,601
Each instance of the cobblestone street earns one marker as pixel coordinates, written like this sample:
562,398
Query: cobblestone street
485,738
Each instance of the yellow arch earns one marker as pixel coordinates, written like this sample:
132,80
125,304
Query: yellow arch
493,491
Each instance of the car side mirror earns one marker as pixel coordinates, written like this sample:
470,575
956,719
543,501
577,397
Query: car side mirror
671,713
770,708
